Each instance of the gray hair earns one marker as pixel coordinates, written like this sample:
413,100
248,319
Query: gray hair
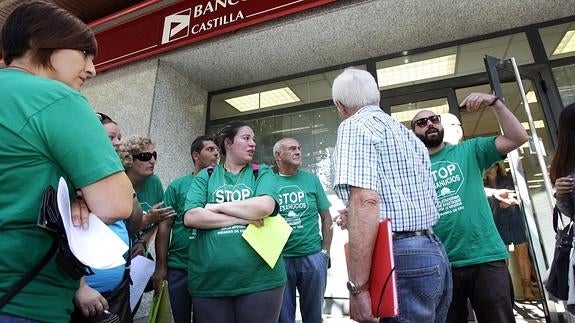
355,89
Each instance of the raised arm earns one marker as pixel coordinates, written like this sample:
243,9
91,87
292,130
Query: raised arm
514,135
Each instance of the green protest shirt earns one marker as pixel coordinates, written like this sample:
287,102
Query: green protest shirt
48,130
175,196
150,194
466,225
221,262
301,198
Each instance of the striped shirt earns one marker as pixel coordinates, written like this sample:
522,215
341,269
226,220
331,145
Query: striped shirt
375,152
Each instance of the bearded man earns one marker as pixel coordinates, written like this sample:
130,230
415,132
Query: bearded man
466,227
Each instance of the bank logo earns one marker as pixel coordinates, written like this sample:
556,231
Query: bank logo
176,26
447,178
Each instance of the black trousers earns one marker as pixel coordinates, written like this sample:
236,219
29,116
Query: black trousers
488,287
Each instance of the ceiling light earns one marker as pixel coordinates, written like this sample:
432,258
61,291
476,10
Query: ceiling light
531,97
567,43
245,102
538,124
264,99
421,70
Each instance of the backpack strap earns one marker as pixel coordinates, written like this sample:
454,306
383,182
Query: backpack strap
255,169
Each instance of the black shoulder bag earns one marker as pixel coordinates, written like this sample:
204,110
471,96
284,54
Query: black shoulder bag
557,282
49,218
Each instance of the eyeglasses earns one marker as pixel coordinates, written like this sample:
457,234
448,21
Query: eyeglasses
422,122
146,156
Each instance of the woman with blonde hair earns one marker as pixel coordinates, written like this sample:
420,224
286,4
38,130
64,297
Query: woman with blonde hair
139,159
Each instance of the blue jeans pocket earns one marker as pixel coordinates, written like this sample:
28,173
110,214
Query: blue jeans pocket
420,284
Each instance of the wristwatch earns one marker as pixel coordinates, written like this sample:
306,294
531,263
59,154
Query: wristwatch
325,252
356,289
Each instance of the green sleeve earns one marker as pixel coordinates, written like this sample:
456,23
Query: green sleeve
198,193
486,152
266,185
79,145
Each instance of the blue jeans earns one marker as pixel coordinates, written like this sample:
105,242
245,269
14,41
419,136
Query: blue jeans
423,280
307,274
180,298
5,318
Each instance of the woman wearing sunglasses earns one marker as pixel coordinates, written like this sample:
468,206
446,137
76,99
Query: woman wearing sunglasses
44,120
228,280
139,159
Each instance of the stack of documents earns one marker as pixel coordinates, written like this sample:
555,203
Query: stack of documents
98,246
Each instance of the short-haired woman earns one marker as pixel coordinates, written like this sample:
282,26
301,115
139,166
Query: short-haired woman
46,127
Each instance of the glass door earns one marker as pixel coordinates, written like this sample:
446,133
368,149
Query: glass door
523,93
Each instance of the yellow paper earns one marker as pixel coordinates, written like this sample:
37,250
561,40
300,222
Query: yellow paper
269,240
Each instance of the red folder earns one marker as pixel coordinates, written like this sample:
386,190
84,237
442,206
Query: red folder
382,278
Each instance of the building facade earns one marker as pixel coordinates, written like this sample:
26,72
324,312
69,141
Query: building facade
277,76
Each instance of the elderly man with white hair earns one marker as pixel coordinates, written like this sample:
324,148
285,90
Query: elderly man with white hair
383,171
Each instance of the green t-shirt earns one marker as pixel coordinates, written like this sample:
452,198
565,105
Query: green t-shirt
150,194
466,225
175,196
221,262
48,130
301,198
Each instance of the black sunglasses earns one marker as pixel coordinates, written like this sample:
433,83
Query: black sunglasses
146,156
422,122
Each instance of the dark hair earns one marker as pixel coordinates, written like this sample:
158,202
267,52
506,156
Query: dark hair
563,162
104,119
42,28
229,131
198,143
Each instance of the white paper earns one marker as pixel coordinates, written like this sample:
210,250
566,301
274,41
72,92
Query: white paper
141,269
98,246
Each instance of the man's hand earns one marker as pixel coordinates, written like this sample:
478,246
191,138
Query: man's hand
563,185
475,101
360,307
341,219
